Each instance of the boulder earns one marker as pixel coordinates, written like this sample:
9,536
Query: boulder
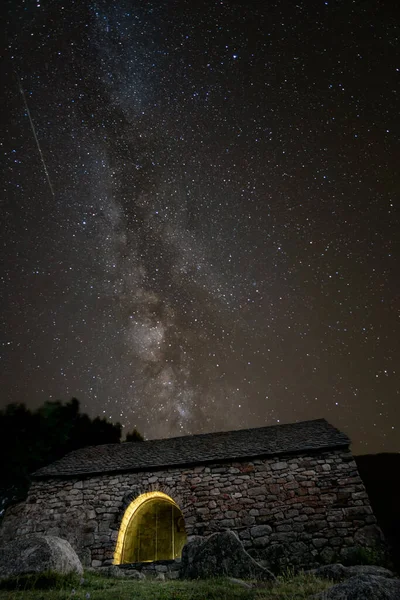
363,587
338,572
221,554
279,556
370,536
38,554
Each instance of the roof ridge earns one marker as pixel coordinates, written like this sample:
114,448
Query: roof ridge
268,440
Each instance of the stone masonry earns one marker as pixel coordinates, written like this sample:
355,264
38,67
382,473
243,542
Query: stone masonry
300,510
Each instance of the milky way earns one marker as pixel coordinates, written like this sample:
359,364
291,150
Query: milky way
222,247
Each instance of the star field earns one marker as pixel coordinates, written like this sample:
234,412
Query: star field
216,242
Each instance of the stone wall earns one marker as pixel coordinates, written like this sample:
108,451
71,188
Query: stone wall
301,510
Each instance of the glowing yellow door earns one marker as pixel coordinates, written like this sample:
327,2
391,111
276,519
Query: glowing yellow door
152,529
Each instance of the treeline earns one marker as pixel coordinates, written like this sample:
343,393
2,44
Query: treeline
30,440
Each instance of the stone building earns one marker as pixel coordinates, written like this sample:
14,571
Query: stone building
292,493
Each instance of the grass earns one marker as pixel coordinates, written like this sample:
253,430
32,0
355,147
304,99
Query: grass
96,587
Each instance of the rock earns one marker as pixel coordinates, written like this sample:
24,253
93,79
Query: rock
335,572
112,571
189,551
161,568
281,555
327,555
260,530
363,587
137,575
160,577
370,570
120,573
338,572
369,536
133,574
38,554
221,554
172,575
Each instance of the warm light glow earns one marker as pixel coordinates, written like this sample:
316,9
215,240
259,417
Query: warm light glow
128,524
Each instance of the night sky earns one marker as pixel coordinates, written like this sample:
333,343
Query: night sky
206,234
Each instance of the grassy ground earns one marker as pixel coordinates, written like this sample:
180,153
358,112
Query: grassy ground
95,587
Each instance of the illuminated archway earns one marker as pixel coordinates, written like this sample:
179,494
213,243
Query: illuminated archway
152,528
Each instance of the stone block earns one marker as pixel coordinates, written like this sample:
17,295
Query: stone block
172,575
336,515
274,488
278,466
244,534
308,510
261,542
257,491
306,483
247,521
348,541
328,498
88,539
301,519
161,568
227,523
287,527
233,470
357,512
260,530
202,511
314,526
96,563
90,526
283,536
320,542
335,542
359,496
231,514
291,485
272,498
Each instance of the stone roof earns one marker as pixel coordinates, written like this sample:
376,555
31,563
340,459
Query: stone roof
198,449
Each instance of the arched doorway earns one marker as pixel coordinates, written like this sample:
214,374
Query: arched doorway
152,528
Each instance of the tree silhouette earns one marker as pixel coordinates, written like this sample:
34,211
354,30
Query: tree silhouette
134,436
30,440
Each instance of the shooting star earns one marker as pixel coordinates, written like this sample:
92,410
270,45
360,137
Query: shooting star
21,89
